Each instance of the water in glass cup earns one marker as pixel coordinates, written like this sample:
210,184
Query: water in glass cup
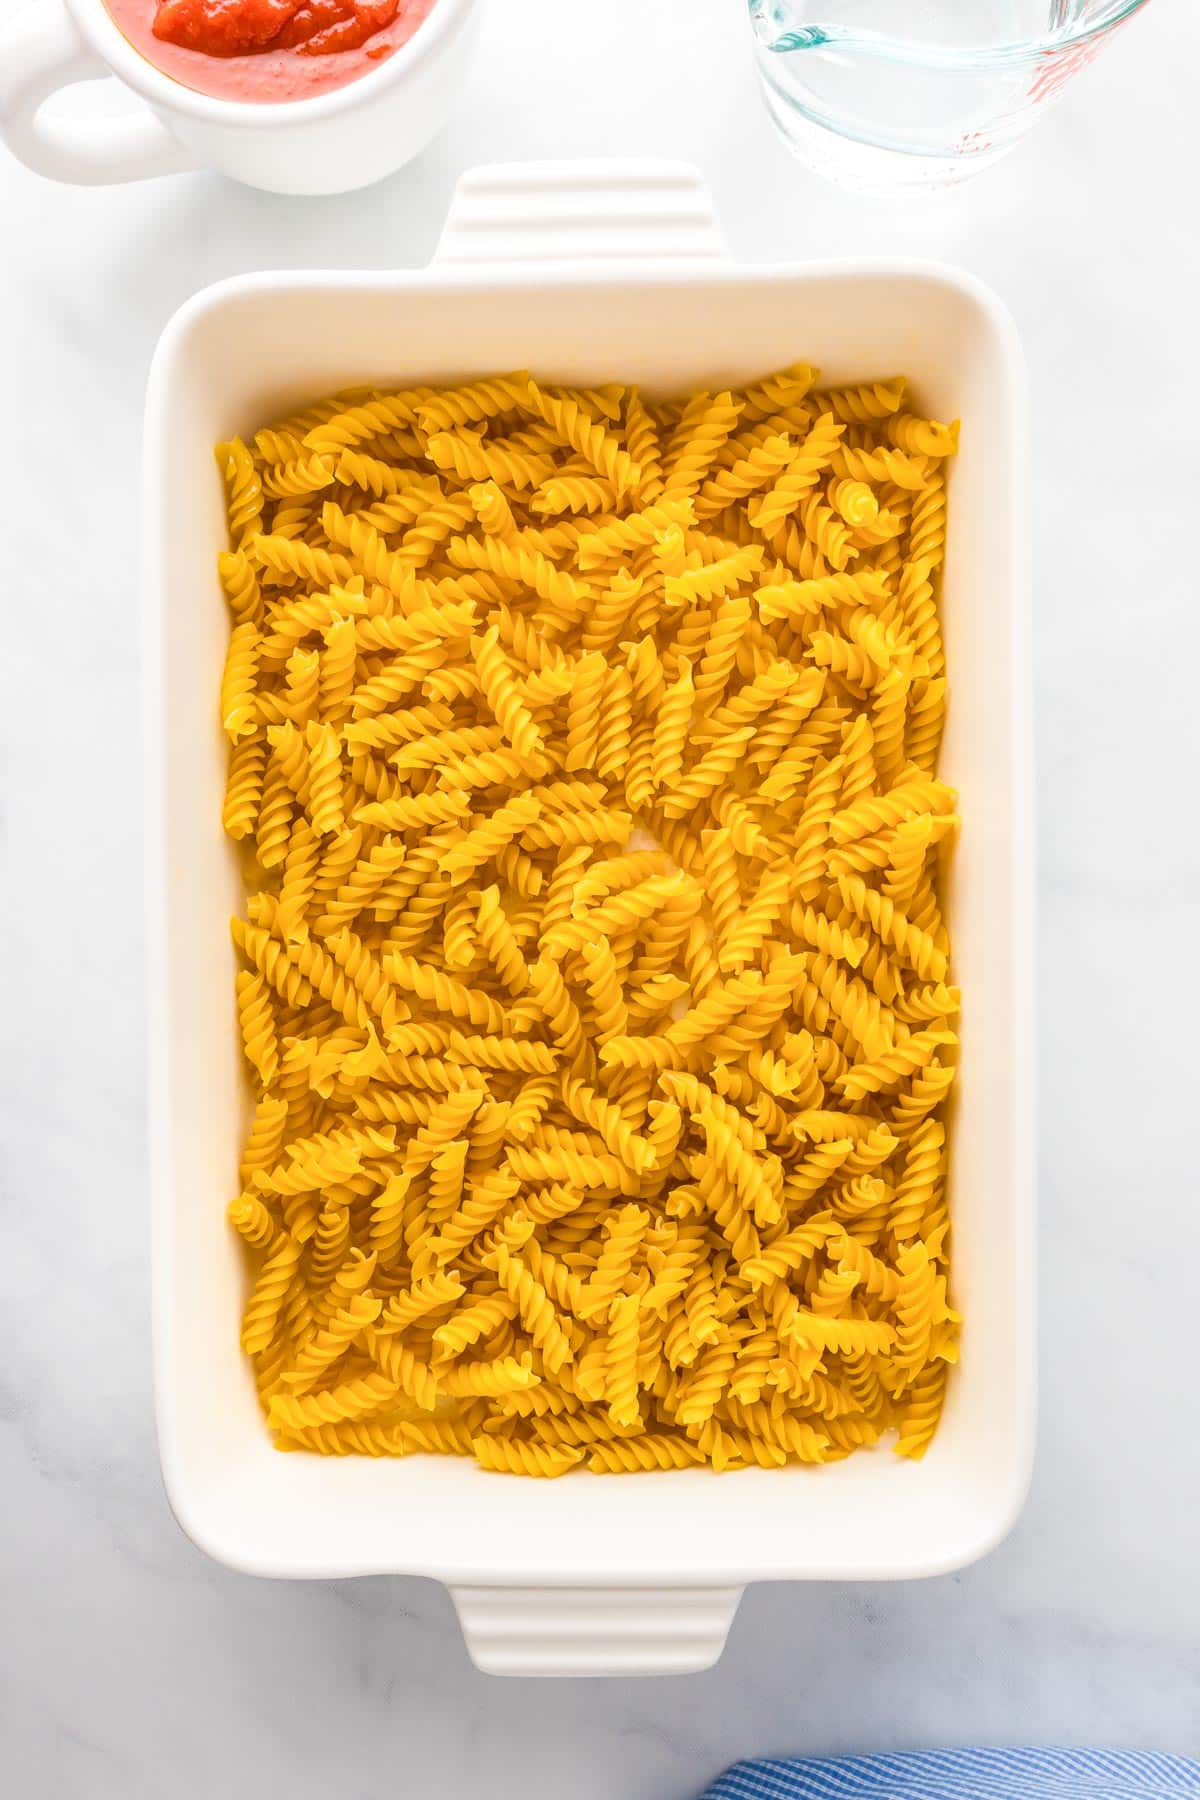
885,95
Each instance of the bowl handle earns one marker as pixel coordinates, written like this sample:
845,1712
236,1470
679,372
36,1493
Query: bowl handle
43,51
572,212
595,1631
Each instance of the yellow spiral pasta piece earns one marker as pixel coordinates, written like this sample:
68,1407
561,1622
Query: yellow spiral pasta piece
472,403
500,690
746,935
919,1307
904,802
444,993
266,1135
301,689
257,1018
297,883
368,554
281,559
927,528
783,1256
921,437
591,1108
923,726
916,947
918,1418
671,728
401,1366
621,1362
447,1435
719,657
516,1456
759,468
641,440
597,545
239,713
361,886
492,509
628,909
325,778
302,475
497,1379
498,941
486,839
337,666
876,462
915,601
361,967
351,1400
624,1232
354,468
244,787
918,1188
476,1321
734,1147
353,417
705,427
473,459
243,487
274,1278
574,494
845,1336
518,563
826,532
608,611
458,934
864,402
253,1222
630,1456
365,1437
330,1241
535,1309
271,959
854,501
413,812
779,392
707,1384
615,726
522,1055
328,1344
583,712
799,477
709,581
598,447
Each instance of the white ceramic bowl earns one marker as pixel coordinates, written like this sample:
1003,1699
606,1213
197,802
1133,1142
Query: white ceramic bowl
609,272
344,139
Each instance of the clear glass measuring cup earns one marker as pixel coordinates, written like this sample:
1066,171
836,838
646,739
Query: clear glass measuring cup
885,95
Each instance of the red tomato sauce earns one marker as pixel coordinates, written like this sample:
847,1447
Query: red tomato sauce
267,51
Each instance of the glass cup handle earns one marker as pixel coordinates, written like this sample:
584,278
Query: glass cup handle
611,211
43,51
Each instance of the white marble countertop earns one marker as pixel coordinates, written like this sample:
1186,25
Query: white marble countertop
131,1667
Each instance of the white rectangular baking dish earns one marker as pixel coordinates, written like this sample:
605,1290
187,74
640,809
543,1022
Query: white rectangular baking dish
585,274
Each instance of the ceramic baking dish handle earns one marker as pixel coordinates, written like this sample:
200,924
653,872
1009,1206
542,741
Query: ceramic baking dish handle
43,51
584,212
595,1631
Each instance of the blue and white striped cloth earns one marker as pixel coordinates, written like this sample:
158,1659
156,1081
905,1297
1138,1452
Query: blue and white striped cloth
969,1775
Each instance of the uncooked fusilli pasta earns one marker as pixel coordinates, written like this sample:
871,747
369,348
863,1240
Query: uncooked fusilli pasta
595,991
